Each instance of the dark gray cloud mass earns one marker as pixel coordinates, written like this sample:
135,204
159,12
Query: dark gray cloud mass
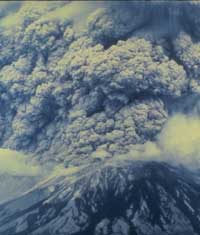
97,80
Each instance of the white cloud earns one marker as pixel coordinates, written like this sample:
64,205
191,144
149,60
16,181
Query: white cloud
178,142
15,163
180,139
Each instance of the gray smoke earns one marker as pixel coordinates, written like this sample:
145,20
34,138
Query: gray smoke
83,79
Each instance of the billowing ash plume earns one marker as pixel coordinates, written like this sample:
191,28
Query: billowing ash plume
95,79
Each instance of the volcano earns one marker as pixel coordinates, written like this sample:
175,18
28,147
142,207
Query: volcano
137,198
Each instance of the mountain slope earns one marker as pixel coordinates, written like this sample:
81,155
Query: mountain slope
120,199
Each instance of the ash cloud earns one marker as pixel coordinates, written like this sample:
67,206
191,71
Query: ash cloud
82,80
